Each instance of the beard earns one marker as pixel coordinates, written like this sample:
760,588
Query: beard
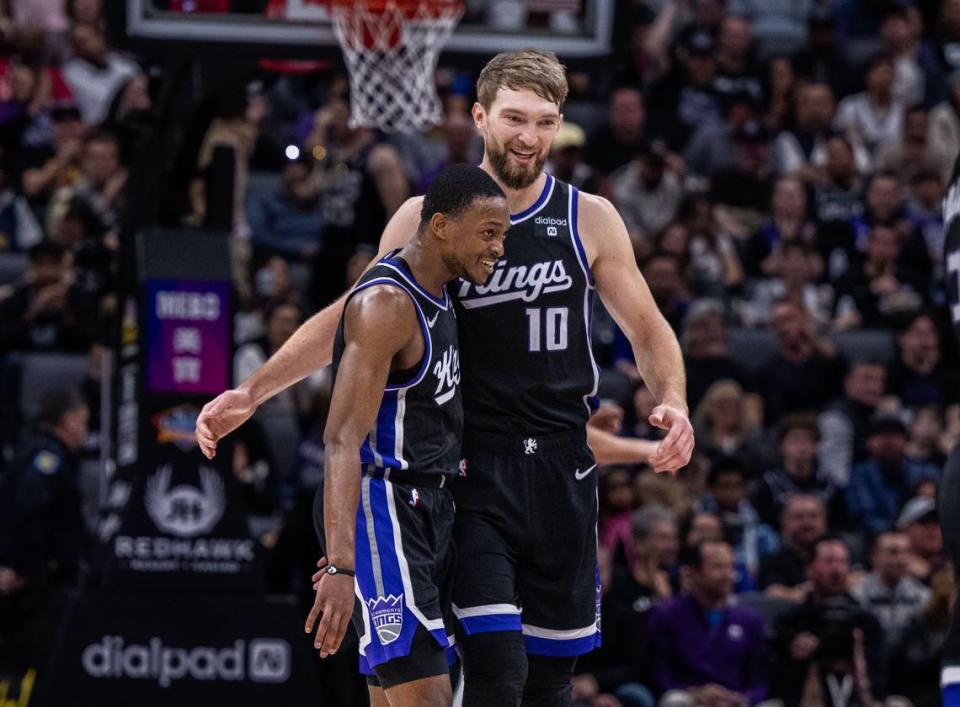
514,176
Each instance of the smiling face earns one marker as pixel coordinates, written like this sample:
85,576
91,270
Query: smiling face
518,130
473,239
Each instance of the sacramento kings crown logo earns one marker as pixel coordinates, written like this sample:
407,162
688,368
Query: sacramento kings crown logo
386,615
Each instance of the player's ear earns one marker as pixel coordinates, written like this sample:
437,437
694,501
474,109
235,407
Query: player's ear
438,226
479,115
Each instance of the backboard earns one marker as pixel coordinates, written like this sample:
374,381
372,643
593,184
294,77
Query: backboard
571,28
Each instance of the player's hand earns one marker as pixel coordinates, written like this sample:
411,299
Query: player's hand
675,449
334,606
221,416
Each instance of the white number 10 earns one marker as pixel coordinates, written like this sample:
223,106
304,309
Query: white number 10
553,323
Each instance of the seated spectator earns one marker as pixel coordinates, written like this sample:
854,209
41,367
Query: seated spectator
711,148
880,485
288,220
919,376
459,146
829,640
889,592
647,192
99,190
802,523
844,422
741,194
838,192
616,506
705,650
566,158
789,222
618,667
780,83
42,536
912,152
47,311
805,372
131,116
19,230
736,60
799,473
653,556
706,354
925,214
46,168
623,136
929,441
801,151
875,115
702,527
670,292
883,289
918,521
750,538
724,424
824,59
94,73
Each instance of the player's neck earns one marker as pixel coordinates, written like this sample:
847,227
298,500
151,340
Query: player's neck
426,267
518,200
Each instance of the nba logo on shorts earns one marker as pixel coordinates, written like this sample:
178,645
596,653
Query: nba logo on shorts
386,615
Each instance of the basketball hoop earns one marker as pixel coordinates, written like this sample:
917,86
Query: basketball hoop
391,49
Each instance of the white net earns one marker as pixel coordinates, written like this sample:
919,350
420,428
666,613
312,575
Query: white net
392,60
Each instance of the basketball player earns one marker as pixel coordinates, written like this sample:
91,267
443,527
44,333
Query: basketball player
396,416
527,590
948,496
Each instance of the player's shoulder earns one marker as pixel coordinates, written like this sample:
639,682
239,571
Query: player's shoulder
594,208
382,314
384,298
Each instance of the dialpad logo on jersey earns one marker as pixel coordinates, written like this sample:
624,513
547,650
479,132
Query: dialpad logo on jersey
447,371
386,615
185,511
519,282
263,660
551,223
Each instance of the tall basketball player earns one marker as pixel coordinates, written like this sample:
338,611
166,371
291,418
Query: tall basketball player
527,590
393,440
948,496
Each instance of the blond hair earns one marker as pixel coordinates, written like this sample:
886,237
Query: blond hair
538,71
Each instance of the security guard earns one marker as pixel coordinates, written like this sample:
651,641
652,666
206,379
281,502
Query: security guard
41,525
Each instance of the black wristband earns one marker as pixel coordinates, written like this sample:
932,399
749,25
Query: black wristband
333,569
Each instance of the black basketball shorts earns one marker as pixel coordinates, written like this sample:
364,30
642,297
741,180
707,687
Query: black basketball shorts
405,559
526,535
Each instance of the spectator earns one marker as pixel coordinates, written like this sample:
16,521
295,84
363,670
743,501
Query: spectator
925,214
95,74
881,484
99,191
912,152
805,372
929,442
566,158
741,194
711,148
663,275
616,506
653,557
838,193
707,354
919,376
459,147
802,522
875,115
707,651
288,221
647,192
131,116
623,135
46,168
844,423
724,424
801,151
824,60
829,639
751,538
918,520
736,70
702,527
19,230
47,311
889,592
799,473
363,184
42,536
781,84
789,222
618,667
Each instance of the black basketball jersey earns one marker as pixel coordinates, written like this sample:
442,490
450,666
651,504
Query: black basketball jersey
420,420
525,335
951,225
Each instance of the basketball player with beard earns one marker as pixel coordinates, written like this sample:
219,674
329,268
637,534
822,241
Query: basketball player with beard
527,587
948,495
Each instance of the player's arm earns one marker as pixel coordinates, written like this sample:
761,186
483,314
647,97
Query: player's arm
655,346
379,323
310,348
609,448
